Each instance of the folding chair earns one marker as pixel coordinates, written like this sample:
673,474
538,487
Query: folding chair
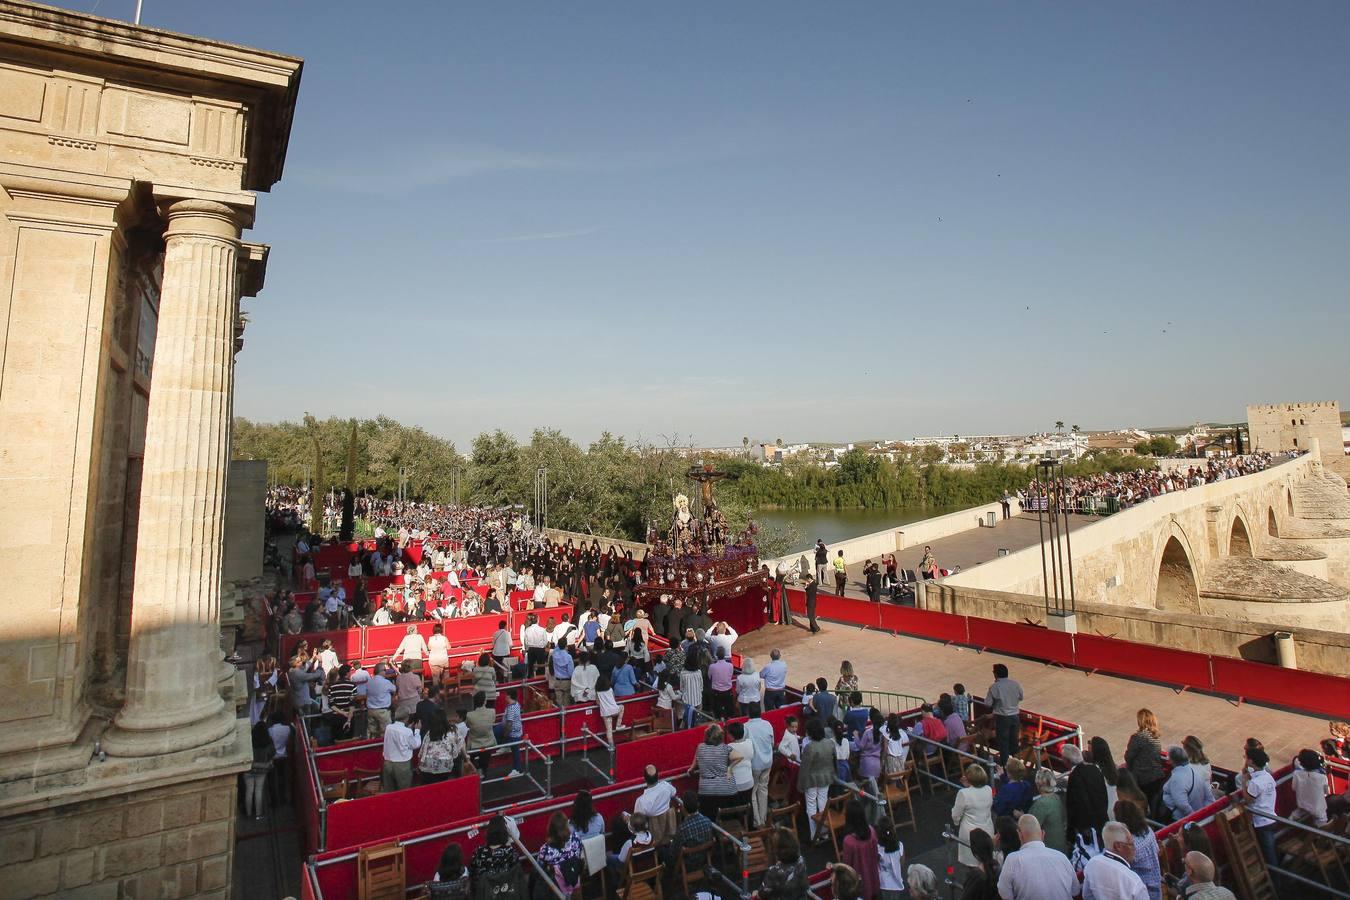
365,783
831,818
895,788
380,873
642,876
694,860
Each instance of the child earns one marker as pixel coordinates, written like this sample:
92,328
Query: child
668,695
891,862
610,710
961,702
790,745
641,839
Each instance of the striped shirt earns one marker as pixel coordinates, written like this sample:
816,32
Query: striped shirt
340,695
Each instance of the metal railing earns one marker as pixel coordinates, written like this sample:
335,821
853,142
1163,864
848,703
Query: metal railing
1313,833
741,847
586,754
887,702
545,790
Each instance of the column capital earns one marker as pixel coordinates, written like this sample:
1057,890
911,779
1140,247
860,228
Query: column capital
241,205
202,218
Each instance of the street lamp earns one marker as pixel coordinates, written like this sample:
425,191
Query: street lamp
1053,518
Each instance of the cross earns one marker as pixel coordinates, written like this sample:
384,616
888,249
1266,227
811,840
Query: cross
705,476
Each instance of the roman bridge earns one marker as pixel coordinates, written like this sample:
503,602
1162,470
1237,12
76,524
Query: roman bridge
1217,568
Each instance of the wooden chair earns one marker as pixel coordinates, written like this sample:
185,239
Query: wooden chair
694,859
1316,852
735,819
831,818
334,785
895,788
642,876
641,727
780,786
785,817
761,854
934,765
364,783
380,873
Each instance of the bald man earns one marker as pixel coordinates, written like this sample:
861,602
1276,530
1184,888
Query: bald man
1200,879
1036,872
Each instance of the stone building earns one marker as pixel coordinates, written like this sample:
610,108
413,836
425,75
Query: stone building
129,162
1280,427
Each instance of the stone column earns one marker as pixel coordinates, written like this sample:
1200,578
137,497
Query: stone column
172,697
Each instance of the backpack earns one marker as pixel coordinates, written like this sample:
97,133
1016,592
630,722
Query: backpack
1084,850
505,885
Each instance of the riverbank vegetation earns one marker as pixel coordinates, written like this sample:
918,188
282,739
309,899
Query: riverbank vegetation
615,488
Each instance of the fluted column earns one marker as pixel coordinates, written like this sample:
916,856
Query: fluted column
172,699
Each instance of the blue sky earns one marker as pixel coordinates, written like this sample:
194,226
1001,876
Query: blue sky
800,220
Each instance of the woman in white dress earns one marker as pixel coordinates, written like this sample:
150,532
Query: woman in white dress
973,809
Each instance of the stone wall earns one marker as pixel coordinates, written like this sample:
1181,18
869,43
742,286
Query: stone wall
160,843
245,505
1317,651
560,536
913,534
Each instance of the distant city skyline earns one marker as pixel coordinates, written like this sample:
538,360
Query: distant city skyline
795,219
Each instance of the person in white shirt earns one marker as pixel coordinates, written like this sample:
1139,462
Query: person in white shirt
354,567
561,632
1311,788
1036,872
1258,794
749,688
722,635
540,589
1108,876
413,648
382,617
655,800
760,735
790,745
584,677
534,639
328,657
438,651
400,742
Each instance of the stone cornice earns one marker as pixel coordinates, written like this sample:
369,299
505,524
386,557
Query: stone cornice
266,82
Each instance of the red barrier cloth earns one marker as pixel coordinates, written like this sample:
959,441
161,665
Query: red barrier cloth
1022,640
384,816
744,612
839,609
1325,694
1142,661
674,750
924,623
308,795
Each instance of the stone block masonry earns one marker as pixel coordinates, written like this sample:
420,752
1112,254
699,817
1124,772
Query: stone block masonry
159,843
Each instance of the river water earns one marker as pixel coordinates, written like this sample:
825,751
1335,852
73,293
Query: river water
834,525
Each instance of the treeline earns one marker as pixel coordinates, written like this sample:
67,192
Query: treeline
867,481
612,487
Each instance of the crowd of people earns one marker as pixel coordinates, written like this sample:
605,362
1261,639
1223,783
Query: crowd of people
1112,491
1022,830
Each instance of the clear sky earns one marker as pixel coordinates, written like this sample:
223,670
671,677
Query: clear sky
807,220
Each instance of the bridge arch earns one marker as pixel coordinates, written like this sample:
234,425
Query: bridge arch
1272,524
1178,587
1239,535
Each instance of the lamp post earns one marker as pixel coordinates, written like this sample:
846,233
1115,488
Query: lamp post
540,498
1056,554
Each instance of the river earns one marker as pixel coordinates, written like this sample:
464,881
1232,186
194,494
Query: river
834,525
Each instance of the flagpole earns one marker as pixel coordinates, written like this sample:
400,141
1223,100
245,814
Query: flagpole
138,11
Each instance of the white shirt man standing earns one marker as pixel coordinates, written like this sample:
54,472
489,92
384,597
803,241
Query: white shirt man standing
1036,872
1109,876
400,742
760,735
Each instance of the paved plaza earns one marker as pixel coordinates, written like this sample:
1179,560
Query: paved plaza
967,549
1101,704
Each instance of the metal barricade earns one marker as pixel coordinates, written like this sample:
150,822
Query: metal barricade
741,847
545,789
